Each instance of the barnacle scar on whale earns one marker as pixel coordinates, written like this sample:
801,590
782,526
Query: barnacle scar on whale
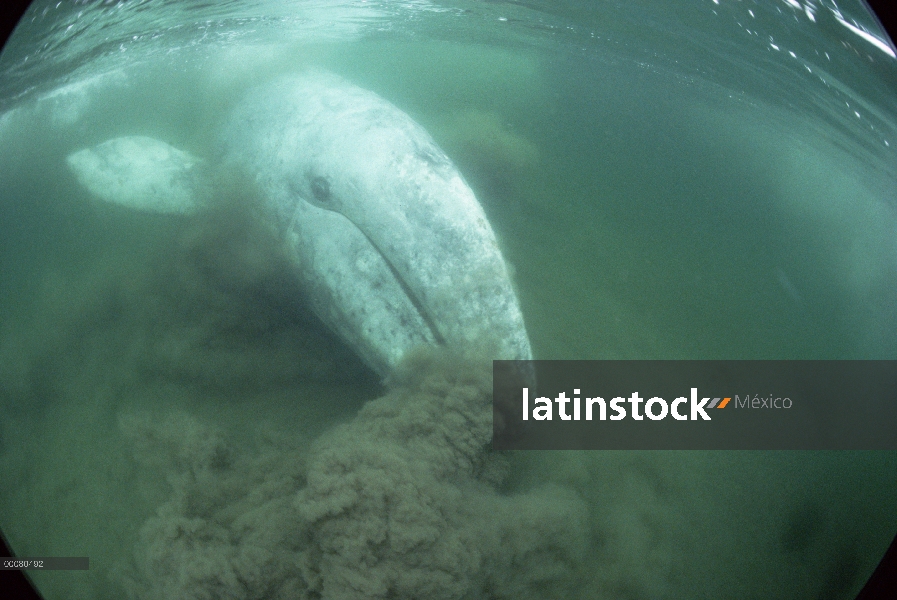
390,245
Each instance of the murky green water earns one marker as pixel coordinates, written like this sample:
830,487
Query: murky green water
688,180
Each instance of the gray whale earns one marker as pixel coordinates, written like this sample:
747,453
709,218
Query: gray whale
391,246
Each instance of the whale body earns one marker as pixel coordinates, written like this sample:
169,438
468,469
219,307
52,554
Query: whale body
391,246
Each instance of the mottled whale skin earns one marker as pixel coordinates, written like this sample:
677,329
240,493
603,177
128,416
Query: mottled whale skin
392,247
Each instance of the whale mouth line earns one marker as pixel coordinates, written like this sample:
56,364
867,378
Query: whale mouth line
409,293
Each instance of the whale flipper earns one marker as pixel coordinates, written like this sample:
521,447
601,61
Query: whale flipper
141,173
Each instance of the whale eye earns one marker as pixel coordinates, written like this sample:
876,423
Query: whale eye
320,189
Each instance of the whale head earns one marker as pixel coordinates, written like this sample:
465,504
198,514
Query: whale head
393,247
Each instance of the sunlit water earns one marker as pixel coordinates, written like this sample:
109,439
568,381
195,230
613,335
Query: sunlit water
669,180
